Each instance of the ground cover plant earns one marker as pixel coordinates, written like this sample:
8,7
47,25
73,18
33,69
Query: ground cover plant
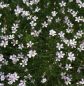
41,42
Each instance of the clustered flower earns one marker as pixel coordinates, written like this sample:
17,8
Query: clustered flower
38,35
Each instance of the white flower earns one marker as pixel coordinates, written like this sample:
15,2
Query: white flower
69,30
63,75
74,13
24,62
49,19
14,42
81,82
58,19
67,80
59,55
66,41
35,33
61,34
11,36
34,18
68,66
45,24
72,43
71,56
18,10
81,47
32,53
20,56
59,46
33,24
52,32
37,9
2,76
78,1
29,76
29,44
14,58
1,84
22,83
25,13
79,34
54,13
20,46
4,43
62,4
77,19
14,28
2,5
3,30
12,78
1,57
43,80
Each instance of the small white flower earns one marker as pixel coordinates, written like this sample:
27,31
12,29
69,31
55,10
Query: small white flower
24,62
20,46
72,43
81,47
12,78
29,44
69,30
49,19
3,30
22,83
14,28
81,82
59,46
11,36
62,4
37,9
67,80
2,76
52,32
68,66
34,18
33,24
14,58
58,19
77,19
1,84
45,24
35,33
3,5
74,13
14,42
61,34
78,1
54,13
43,80
71,56
25,13
18,10
1,57
59,55
4,43
32,53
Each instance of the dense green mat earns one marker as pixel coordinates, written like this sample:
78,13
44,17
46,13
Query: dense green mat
41,42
